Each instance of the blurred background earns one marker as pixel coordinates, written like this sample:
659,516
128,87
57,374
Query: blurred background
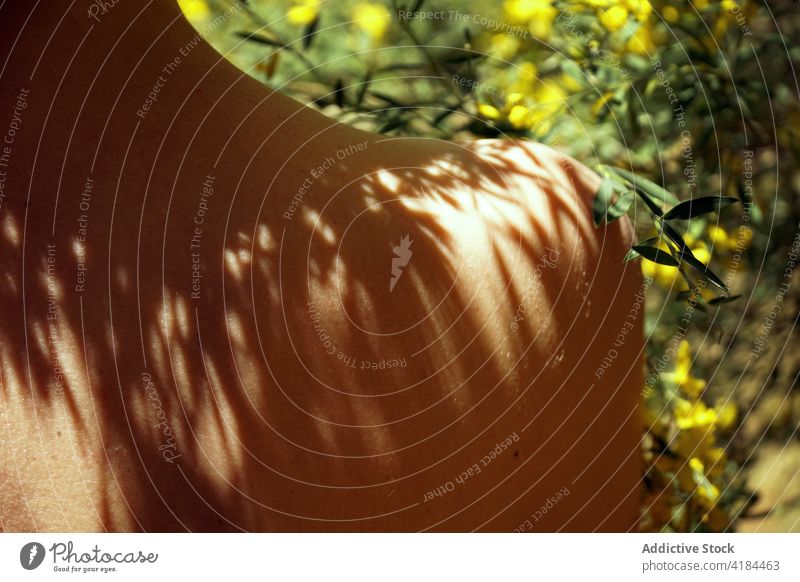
697,99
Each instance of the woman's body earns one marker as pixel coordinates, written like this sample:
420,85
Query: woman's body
202,333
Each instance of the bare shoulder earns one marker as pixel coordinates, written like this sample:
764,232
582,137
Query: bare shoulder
556,192
553,171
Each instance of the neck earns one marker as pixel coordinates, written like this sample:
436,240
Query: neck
54,31
142,59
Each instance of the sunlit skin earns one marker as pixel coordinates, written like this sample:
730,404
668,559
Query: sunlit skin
288,387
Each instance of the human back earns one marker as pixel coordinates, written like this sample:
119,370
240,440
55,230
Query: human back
237,354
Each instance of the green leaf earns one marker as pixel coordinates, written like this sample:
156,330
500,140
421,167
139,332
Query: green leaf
260,39
687,257
637,63
756,215
723,299
604,208
308,34
628,31
390,100
338,93
655,254
632,253
442,116
602,201
650,242
620,183
674,236
417,66
650,188
392,124
363,89
460,56
621,206
633,120
698,206
654,208
572,70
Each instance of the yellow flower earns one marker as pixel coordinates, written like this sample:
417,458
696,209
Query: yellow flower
569,83
690,415
504,46
641,42
550,95
701,4
537,107
740,239
597,107
720,28
303,12
696,464
649,269
681,375
488,111
665,275
702,253
726,414
528,73
690,386
719,237
729,5
599,3
527,78
642,9
707,494
549,98
372,18
671,14
537,14
524,11
542,28
519,116
194,10
513,99
614,18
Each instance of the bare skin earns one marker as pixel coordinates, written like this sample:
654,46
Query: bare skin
200,330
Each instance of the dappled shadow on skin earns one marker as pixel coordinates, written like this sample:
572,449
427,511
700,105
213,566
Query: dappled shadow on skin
292,388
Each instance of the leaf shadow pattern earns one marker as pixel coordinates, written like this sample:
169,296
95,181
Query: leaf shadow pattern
251,408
